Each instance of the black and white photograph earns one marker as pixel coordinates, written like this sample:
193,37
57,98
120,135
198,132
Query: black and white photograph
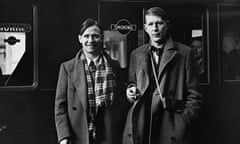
120,72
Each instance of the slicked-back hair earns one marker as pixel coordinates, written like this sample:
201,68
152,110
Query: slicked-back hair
157,11
88,23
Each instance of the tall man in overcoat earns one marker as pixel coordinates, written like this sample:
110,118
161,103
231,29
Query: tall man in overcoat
88,104
163,87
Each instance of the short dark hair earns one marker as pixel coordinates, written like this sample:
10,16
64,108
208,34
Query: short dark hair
157,11
88,23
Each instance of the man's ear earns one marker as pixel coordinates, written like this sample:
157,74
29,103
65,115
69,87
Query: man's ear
79,38
145,27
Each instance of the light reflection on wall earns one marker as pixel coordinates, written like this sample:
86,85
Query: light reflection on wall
11,54
115,45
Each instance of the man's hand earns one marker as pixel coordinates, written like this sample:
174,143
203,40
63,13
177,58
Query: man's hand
132,94
65,141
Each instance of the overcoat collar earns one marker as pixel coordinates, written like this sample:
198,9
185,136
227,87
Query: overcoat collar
79,79
144,58
169,53
143,64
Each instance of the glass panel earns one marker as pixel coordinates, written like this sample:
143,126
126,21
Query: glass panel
123,23
13,47
18,47
116,46
229,41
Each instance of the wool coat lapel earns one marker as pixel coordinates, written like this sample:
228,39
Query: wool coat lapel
168,55
144,67
79,80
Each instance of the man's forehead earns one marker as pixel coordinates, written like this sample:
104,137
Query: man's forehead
92,29
153,18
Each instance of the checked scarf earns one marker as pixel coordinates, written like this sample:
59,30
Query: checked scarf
100,92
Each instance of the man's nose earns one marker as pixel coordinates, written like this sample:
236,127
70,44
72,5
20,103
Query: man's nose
91,38
155,27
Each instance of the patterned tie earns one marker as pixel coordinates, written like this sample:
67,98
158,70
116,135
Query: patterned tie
92,69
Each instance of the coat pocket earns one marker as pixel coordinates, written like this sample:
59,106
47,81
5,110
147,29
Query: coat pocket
173,128
174,105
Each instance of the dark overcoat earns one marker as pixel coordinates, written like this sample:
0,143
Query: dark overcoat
179,84
71,106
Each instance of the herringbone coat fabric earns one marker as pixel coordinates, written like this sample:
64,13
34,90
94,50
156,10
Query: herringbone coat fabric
179,84
71,105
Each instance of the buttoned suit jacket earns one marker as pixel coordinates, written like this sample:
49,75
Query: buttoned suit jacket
179,84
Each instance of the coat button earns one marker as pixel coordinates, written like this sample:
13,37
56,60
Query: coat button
173,138
179,110
74,108
129,135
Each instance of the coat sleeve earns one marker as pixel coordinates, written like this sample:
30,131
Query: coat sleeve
194,96
61,112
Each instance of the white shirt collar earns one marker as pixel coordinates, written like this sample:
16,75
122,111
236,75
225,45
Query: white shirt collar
95,60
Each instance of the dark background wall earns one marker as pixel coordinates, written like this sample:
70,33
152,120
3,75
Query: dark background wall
29,114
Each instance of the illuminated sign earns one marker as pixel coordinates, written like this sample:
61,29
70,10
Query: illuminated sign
11,27
12,45
123,26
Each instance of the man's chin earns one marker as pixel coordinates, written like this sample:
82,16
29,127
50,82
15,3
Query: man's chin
93,51
158,40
